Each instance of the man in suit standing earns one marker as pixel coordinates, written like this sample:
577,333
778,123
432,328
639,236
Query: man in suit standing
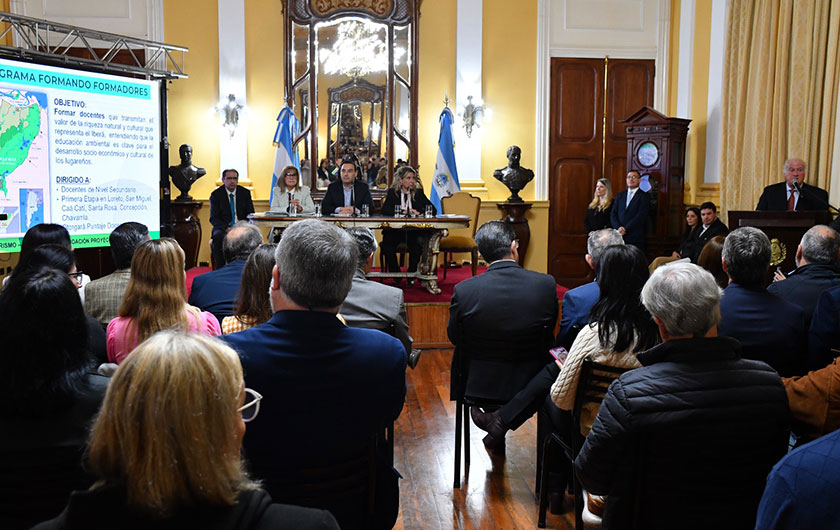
712,227
630,211
501,323
769,329
215,291
793,194
346,195
104,296
229,203
328,388
374,305
578,302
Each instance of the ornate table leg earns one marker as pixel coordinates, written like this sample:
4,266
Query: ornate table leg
427,268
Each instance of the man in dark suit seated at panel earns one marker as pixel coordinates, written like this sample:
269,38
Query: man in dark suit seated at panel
328,388
347,195
215,291
578,302
769,328
229,203
793,194
501,322
686,441
630,212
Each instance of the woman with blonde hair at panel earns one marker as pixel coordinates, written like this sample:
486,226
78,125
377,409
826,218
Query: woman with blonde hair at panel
288,194
166,445
155,299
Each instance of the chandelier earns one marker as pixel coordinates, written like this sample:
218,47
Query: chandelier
358,50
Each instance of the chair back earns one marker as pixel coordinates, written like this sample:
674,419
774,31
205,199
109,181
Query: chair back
595,379
462,203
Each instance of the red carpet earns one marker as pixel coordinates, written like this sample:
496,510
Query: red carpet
414,294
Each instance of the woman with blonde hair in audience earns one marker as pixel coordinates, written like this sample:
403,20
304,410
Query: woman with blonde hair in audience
49,394
710,259
166,446
252,305
289,195
598,211
155,299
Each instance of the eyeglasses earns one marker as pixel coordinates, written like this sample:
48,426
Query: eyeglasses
252,405
291,175
76,277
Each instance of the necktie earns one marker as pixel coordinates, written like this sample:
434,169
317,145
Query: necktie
629,197
232,209
791,200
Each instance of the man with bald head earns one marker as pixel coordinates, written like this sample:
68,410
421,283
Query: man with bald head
793,194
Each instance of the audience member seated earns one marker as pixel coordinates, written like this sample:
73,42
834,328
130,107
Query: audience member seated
769,328
48,395
61,258
802,488
824,334
104,296
815,402
252,305
687,440
332,387
711,228
578,302
373,305
816,270
686,248
191,477
46,234
215,291
411,202
155,299
501,323
711,259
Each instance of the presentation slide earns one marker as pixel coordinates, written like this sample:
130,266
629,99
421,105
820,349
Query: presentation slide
78,149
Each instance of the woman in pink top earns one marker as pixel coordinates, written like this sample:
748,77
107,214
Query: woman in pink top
155,299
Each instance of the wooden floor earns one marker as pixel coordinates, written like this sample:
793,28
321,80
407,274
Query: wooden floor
497,493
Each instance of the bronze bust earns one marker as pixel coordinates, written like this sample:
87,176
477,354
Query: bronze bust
184,174
514,176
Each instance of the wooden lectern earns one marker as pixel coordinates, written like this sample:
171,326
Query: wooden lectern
784,229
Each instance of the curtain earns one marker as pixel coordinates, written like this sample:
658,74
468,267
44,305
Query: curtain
779,94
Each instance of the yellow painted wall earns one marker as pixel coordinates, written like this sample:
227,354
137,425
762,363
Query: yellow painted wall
674,58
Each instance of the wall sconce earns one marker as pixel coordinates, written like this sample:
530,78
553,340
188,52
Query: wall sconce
230,109
471,116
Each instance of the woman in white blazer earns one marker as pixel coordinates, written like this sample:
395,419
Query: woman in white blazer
289,196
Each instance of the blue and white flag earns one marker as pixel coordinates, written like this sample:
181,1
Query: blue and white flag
445,181
288,127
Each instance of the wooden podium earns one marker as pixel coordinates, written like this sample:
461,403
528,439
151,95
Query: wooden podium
784,229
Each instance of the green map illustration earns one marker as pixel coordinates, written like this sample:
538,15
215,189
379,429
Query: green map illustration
20,122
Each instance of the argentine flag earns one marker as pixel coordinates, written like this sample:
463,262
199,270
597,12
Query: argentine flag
288,127
445,181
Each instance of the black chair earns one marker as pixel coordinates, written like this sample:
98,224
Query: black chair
350,483
508,378
593,382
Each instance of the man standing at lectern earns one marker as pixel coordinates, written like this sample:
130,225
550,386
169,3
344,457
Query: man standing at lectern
793,194
229,203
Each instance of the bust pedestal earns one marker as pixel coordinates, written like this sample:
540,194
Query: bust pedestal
514,215
186,229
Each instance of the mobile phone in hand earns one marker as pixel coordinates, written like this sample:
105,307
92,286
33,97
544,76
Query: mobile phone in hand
560,353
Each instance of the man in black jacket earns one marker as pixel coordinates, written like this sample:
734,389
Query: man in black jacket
793,194
712,227
687,440
229,203
347,195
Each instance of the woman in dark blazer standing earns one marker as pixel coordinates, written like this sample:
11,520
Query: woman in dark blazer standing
598,211
411,201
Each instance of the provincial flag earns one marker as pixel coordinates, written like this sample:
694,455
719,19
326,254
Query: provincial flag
288,127
445,180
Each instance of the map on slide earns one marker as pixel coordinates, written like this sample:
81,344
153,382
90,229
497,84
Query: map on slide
24,158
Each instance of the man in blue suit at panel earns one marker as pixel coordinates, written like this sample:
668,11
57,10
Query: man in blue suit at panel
328,388
630,211
769,328
215,291
578,302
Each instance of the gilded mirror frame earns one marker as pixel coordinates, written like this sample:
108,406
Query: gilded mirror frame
392,14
